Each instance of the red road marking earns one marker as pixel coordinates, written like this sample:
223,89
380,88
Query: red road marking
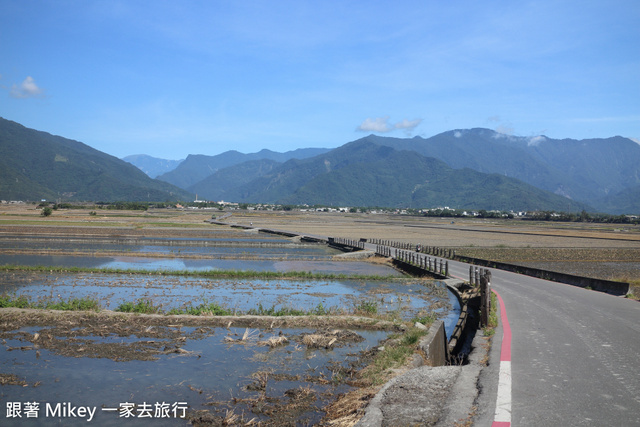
505,350
504,387
503,402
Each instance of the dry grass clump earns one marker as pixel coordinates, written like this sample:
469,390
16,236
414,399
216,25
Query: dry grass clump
318,341
274,341
11,379
248,335
350,407
329,339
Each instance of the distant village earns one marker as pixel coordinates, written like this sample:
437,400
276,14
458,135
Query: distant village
440,211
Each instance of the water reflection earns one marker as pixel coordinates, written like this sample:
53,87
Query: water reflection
211,247
407,297
178,264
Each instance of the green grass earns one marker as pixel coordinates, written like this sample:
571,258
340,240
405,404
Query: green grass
142,306
18,302
272,311
146,306
231,274
176,225
412,336
367,307
207,309
393,356
61,223
72,304
75,304
427,319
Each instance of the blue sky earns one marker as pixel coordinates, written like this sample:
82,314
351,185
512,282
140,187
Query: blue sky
174,78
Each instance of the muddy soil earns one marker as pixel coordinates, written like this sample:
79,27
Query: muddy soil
147,337
67,333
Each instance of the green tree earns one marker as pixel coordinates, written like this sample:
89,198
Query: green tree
46,211
584,216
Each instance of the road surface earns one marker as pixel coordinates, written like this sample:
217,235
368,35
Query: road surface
575,354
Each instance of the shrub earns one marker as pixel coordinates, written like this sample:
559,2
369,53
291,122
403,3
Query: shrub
367,307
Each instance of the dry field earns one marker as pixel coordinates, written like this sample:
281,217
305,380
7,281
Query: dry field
608,251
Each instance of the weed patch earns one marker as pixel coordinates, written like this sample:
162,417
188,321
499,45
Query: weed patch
204,309
427,319
490,329
142,306
75,304
272,311
225,274
72,304
394,355
367,308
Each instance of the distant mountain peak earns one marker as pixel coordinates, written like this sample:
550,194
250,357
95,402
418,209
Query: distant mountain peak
152,166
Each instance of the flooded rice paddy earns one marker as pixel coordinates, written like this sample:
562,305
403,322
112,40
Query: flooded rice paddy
275,375
406,297
189,264
263,247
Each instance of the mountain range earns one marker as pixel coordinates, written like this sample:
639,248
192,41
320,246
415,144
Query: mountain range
591,174
586,170
36,165
363,173
465,168
197,167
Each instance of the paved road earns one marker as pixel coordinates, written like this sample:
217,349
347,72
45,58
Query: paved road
575,355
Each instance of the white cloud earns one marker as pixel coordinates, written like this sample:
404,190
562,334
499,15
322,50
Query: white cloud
503,131
27,89
536,140
382,125
408,125
636,140
457,134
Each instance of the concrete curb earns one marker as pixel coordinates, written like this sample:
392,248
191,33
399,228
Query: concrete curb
415,398
429,396
453,285
434,345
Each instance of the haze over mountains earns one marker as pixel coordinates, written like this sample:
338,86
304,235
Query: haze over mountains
466,169
152,166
